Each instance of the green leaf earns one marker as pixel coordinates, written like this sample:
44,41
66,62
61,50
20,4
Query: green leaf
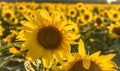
4,60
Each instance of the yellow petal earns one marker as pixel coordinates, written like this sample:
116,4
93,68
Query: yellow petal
64,51
33,54
105,58
95,55
86,63
108,64
108,69
81,48
27,24
57,68
47,58
69,27
21,36
23,48
44,14
74,36
63,24
56,17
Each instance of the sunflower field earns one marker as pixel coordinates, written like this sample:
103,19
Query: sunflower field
59,36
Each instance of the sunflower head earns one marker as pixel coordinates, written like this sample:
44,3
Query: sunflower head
7,14
72,12
79,66
14,50
86,17
47,36
84,62
79,6
14,20
99,22
114,30
21,7
114,16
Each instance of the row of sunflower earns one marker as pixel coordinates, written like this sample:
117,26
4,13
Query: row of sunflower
49,37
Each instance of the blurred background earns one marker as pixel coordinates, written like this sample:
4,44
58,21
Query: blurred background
69,1
114,44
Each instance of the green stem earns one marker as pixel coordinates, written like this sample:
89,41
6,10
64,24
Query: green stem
42,66
17,44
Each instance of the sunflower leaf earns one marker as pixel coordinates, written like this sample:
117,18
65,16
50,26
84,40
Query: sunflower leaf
4,60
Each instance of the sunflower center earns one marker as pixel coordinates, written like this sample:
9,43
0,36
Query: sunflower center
78,66
99,21
13,19
8,15
79,6
82,10
49,37
21,8
116,30
72,12
86,17
115,15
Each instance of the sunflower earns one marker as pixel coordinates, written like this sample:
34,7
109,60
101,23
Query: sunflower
104,13
86,17
114,30
10,38
13,50
84,62
29,12
63,16
78,20
46,36
61,7
79,6
21,7
32,5
7,14
14,20
72,12
2,4
1,30
114,15
98,22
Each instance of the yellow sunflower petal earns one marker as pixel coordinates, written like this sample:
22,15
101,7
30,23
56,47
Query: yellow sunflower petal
56,17
27,24
44,14
74,36
108,64
104,58
81,48
33,55
65,52
86,63
63,24
95,55
108,69
57,68
21,36
69,27
47,58
23,48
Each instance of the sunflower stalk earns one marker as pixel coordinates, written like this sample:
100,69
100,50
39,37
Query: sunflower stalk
16,44
42,66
